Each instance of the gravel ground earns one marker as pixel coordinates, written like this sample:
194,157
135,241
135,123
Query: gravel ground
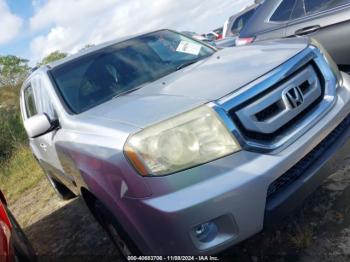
318,231
61,230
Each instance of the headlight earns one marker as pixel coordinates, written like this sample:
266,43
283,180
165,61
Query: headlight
182,142
329,60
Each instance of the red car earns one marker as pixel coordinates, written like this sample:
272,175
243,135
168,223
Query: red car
14,246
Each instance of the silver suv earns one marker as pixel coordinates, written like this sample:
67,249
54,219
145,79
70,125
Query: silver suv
179,148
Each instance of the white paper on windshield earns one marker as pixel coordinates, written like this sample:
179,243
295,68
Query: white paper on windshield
188,48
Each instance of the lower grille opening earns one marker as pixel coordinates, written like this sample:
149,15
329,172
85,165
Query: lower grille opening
269,112
299,169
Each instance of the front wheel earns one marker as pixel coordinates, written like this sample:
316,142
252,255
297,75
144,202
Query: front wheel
61,190
118,236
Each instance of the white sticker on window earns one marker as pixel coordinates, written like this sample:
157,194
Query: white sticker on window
189,48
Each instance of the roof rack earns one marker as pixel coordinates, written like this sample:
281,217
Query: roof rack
34,69
38,66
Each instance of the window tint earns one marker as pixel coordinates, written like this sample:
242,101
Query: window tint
241,21
309,7
314,6
283,12
122,68
29,101
43,100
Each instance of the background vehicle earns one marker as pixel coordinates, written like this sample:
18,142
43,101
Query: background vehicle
225,42
235,23
198,37
215,34
328,21
14,246
180,148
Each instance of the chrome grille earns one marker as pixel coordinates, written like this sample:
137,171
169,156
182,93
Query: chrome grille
270,113
281,105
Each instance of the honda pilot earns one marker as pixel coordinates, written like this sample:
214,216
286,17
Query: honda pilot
179,148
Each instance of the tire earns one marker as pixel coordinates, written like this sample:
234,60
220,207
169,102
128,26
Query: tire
61,190
115,232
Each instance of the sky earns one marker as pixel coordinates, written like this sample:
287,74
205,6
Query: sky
34,28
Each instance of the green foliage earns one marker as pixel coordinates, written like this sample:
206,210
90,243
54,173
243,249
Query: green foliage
54,56
13,70
12,134
19,170
19,173
9,97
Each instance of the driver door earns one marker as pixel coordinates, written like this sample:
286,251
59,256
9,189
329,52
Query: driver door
37,101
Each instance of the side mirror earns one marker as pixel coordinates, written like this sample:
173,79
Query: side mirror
38,125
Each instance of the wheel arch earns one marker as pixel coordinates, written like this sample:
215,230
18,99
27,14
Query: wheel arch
89,198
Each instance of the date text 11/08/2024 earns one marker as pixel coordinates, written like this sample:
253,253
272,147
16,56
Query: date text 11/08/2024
173,258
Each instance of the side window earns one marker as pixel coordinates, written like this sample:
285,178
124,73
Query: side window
314,6
283,11
309,7
241,21
299,10
43,100
29,100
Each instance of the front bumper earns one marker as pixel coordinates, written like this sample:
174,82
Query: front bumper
232,191
308,173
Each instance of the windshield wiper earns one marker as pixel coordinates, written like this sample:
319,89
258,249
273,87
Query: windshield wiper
186,64
131,90
181,66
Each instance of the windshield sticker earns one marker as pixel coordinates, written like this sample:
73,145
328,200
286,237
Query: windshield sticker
189,48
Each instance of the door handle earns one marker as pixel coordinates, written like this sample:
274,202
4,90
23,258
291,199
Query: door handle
43,146
307,30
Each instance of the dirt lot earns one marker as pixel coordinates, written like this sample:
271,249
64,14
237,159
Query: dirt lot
319,231
61,230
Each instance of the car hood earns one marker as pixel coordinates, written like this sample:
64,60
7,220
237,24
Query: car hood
208,80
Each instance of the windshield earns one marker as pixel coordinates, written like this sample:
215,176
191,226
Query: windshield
121,68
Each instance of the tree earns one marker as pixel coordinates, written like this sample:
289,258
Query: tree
54,56
13,70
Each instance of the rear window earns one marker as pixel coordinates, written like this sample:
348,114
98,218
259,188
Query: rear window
283,11
241,21
124,67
